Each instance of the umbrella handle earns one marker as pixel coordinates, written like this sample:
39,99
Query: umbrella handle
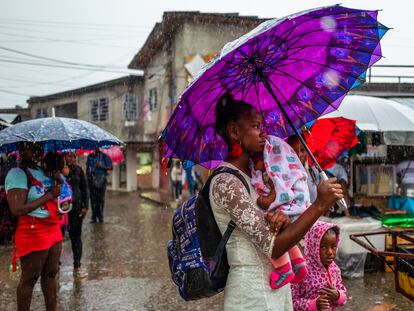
341,202
61,211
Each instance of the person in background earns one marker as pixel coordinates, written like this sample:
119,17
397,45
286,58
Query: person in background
76,178
177,180
405,174
190,177
38,239
313,174
338,171
322,289
98,165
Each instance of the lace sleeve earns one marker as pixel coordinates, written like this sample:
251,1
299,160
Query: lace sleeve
229,193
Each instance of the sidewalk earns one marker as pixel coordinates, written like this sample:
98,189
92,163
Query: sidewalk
161,197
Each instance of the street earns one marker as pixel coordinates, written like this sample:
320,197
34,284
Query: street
128,269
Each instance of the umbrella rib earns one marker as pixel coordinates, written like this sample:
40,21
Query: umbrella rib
319,16
200,126
247,84
280,45
287,102
260,106
316,63
335,14
337,46
265,37
309,88
344,87
303,34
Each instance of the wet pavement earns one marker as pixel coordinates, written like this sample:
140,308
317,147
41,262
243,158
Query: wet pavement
128,269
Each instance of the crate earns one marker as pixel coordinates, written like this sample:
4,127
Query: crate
405,274
400,241
389,261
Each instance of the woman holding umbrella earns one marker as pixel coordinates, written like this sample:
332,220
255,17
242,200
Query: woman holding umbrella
253,242
38,237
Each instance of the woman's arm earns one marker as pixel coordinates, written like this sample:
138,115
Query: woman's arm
328,193
83,188
229,193
17,200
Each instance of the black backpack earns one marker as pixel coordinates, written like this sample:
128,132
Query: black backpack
197,255
8,222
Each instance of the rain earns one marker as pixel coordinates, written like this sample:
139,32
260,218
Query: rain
169,156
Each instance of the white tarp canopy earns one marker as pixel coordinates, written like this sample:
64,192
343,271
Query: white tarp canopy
373,114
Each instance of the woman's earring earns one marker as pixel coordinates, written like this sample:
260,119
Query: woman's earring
236,150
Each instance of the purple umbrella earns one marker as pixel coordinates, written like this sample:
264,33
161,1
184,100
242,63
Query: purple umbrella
291,70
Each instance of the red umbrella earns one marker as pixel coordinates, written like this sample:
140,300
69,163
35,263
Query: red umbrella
328,138
114,152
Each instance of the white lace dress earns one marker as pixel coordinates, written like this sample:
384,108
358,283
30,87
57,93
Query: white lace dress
248,248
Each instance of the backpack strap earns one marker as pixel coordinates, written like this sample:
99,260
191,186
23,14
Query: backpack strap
29,176
231,225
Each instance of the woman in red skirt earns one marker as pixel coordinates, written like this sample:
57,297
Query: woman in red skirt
38,239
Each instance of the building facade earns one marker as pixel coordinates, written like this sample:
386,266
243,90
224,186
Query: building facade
172,54
115,106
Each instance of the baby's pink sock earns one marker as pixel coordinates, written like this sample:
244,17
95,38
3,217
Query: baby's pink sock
299,269
281,276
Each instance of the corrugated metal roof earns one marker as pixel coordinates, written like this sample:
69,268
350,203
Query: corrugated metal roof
8,117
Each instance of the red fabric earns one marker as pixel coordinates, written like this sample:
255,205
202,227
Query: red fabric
36,234
115,153
329,138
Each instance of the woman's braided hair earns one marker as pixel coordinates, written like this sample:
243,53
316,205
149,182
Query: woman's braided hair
229,110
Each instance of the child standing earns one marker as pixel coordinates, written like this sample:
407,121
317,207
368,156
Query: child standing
322,289
281,165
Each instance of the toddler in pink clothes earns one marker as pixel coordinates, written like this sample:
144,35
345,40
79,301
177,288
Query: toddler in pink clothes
322,288
282,166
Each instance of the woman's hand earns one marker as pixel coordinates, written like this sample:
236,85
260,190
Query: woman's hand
322,303
277,220
57,177
55,191
83,213
329,191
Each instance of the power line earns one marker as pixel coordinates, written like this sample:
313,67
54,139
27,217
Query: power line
81,32
14,93
52,59
103,69
70,41
90,26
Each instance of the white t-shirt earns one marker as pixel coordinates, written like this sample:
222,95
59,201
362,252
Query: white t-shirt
408,177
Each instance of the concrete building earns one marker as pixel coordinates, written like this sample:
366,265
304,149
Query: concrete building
174,51
115,106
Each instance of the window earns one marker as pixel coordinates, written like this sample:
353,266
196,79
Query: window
144,163
129,107
375,180
99,109
153,100
41,113
69,110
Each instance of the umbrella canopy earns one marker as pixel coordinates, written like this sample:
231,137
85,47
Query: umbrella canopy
57,133
114,153
328,139
373,114
291,70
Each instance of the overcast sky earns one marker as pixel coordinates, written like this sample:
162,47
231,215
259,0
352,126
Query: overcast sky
107,34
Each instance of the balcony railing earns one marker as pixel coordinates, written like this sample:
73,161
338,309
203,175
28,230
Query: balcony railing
391,74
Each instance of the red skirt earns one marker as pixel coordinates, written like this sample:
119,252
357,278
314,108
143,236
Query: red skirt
36,234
